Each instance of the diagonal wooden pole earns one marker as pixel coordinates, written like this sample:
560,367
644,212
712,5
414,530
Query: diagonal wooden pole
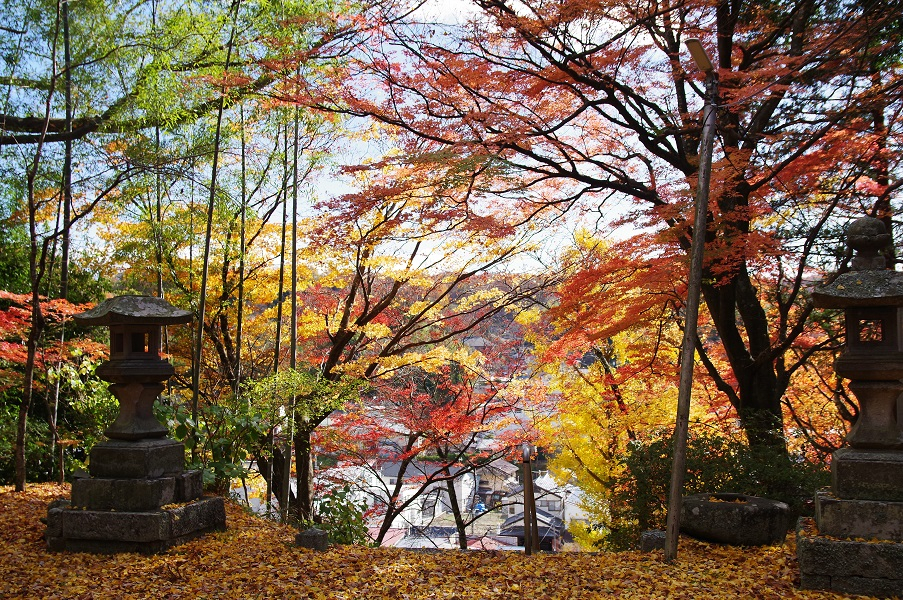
694,285
528,493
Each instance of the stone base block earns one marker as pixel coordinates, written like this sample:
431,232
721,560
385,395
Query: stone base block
313,538
189,486
142,459
847,566
867,474
867,519
136,495
128,495
653,539
106,532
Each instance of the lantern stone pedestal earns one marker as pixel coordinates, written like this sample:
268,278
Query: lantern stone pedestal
139,497
855,543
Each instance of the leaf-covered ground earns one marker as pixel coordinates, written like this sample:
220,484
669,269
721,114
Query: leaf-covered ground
257,559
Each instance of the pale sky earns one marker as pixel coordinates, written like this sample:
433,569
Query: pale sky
446,11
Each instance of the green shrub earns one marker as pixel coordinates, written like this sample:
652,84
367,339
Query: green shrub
38,460
86,407
341,517
639,497
222,438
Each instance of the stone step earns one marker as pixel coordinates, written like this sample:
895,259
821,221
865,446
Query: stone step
74,530
142,459
866,519
848,566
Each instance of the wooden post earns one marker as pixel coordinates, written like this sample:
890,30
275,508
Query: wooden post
528,495
694,285
534,519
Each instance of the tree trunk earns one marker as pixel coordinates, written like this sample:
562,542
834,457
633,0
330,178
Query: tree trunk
392,508
303,502
242,242
37,263
271,470
277,346
285,497
304,472
34,334
281,293
460,524
202,300
759,389
67,160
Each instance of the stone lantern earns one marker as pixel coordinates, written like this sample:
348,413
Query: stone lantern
138,471
135,369
865,501
872,299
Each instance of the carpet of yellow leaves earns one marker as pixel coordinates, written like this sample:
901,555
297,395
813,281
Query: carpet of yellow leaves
257,559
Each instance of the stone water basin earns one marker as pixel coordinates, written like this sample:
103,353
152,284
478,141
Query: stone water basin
735,519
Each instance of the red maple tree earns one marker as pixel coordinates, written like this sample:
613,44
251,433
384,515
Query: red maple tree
594,106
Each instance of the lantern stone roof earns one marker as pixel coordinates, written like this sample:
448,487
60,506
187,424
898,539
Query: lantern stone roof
861,288
134,310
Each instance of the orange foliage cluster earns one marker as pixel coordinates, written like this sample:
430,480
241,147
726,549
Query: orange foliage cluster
15,322
54,309
257,559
